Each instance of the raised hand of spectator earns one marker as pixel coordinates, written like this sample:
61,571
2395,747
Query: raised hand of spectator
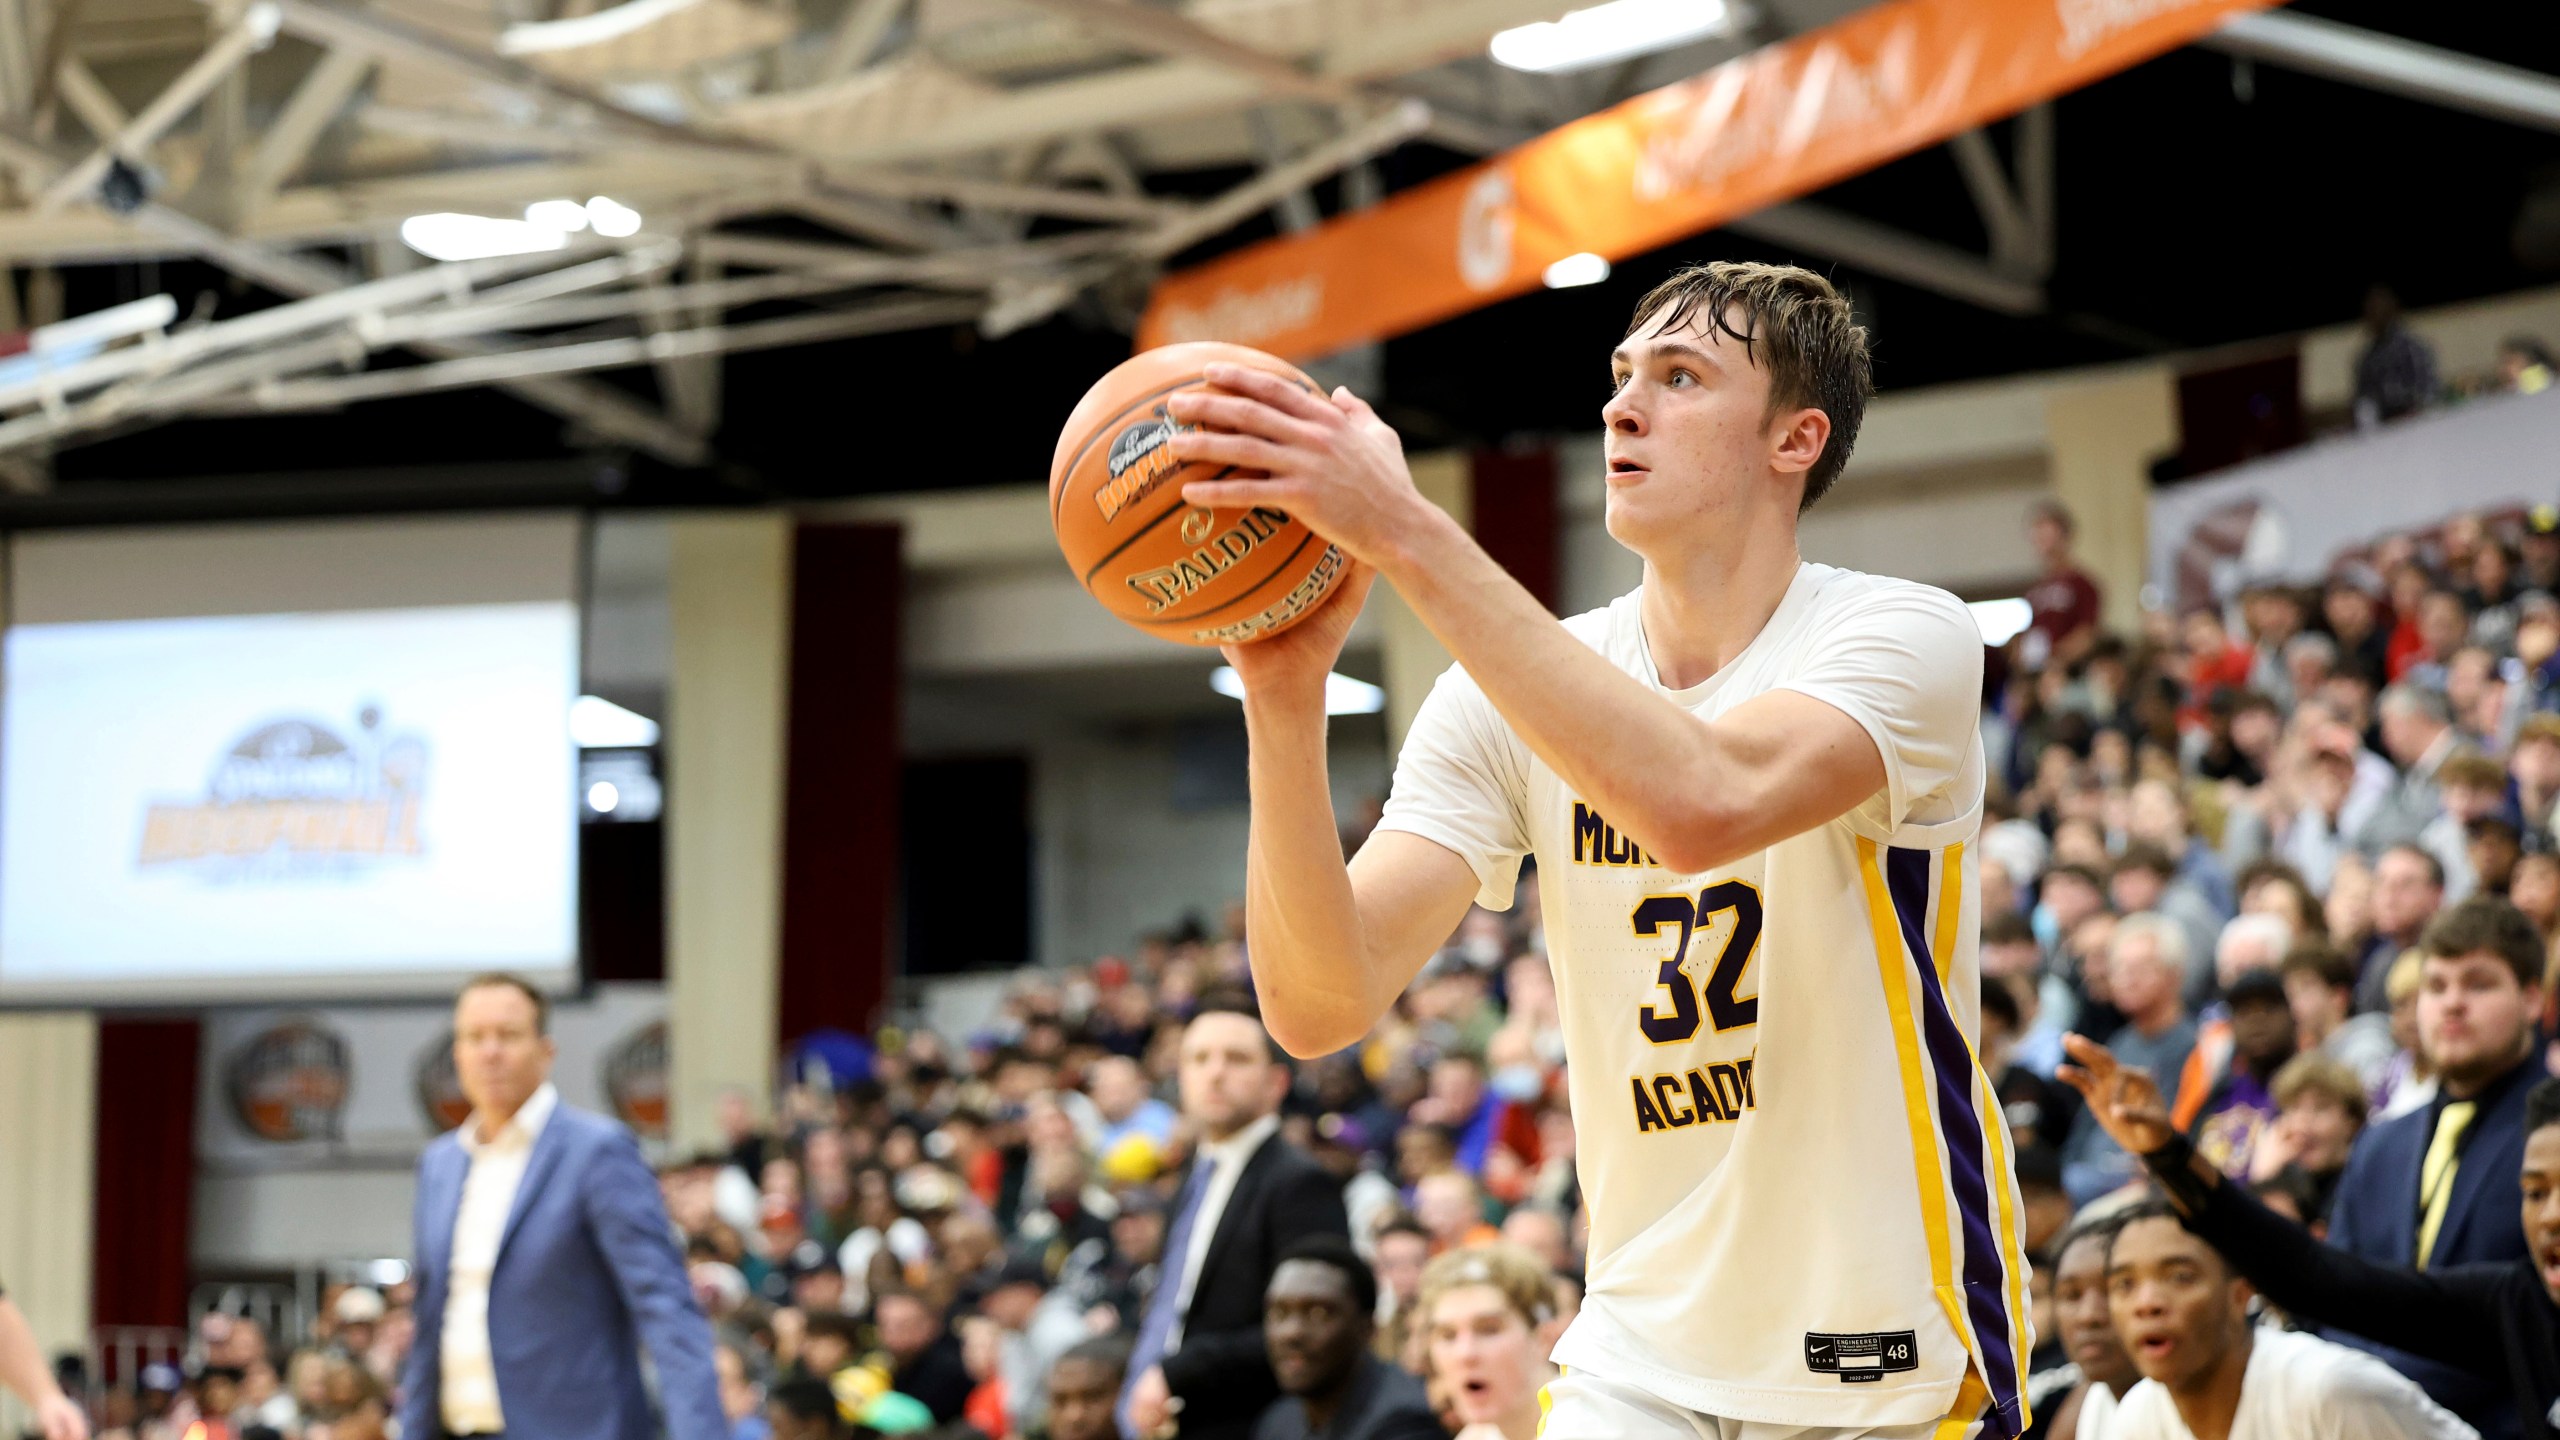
2279,1145
2124,1100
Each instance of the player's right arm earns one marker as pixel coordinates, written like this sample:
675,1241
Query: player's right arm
1332,944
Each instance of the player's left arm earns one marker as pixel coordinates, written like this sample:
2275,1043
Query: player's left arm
1695,794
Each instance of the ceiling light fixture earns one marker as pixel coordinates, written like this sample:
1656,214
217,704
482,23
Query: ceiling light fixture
1583,269
1618,30
447,235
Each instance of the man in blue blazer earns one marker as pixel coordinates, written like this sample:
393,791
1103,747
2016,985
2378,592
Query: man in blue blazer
545,1259
2438,1187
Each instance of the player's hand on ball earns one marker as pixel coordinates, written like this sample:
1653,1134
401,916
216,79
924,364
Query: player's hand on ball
1305,652
1330,461
2125,1100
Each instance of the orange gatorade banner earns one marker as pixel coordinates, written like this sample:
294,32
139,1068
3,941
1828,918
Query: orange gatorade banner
1764,127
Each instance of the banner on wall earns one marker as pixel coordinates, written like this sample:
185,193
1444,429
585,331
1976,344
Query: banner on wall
370,1085
2291,518
1779,122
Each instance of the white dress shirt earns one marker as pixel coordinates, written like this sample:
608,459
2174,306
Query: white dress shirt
1226,1160
469,1374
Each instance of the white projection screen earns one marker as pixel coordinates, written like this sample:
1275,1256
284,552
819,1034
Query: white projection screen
286,763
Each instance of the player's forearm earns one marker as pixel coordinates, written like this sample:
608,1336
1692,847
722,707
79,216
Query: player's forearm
1308,957
1653,768
22,1367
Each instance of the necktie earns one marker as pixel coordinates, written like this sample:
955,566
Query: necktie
1165,1306
2435,1177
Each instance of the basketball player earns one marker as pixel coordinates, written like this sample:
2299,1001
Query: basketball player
1749,786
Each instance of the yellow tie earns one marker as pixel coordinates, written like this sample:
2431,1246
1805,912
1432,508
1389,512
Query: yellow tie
2435,1177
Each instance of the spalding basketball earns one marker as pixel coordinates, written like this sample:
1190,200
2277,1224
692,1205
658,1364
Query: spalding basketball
1189,573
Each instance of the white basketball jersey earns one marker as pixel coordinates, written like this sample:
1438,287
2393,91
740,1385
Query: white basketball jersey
1798,1213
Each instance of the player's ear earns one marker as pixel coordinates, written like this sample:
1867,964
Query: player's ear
1798,439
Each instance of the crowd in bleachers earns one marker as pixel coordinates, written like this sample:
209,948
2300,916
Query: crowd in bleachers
2226,846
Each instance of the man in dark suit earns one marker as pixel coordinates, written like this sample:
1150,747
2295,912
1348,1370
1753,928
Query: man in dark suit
1247,1197
1318,1319
545,1259
2438,1187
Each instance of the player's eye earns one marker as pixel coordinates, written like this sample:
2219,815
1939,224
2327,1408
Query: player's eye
1679,375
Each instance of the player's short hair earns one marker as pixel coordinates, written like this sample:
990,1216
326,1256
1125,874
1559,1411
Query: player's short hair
1336,1252
1816,352
2312,1073
506,980
1527,1286
2487,923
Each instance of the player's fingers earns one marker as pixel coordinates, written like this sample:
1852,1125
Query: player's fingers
1239,413
1249,451
1352,405
2088,1052
1215,494
1272,390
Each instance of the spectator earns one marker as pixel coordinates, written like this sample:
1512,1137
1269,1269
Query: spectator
1451,1208
2038,1110
2535,766
2499,1322
1318,1325
2534,888
2471,787
1488,1321
2524,365
829,1342
2145,969
924,1355
805,1410
2099,1371
2206,1370
2231,1117
2417,733
2396,371
1084,1385
2480,996
2408,889
2063,604
1249,1196
2352,606
2319,984
1542,1233
2146,880
588,1273
1130,1115
2320,1109
741,1398
1404,1248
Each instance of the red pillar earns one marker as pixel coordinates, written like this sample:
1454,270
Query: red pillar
842,762
1514,505
140,1262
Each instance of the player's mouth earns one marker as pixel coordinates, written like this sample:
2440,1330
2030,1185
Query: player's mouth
2546,1258
1624,469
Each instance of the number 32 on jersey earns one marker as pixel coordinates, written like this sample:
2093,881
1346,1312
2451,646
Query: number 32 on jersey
1727,916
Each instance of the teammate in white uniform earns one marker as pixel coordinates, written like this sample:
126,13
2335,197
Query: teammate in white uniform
1749,786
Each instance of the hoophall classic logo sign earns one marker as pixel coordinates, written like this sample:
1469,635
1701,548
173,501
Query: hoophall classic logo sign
296,796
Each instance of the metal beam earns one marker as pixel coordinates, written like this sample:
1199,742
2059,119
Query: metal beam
89,99
1064,203
252,31
316,102
1169,32
857,37
1380,133
518,366
2004,215
1892,254
2390,64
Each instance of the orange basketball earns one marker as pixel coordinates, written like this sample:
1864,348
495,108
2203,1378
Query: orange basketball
1200,576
